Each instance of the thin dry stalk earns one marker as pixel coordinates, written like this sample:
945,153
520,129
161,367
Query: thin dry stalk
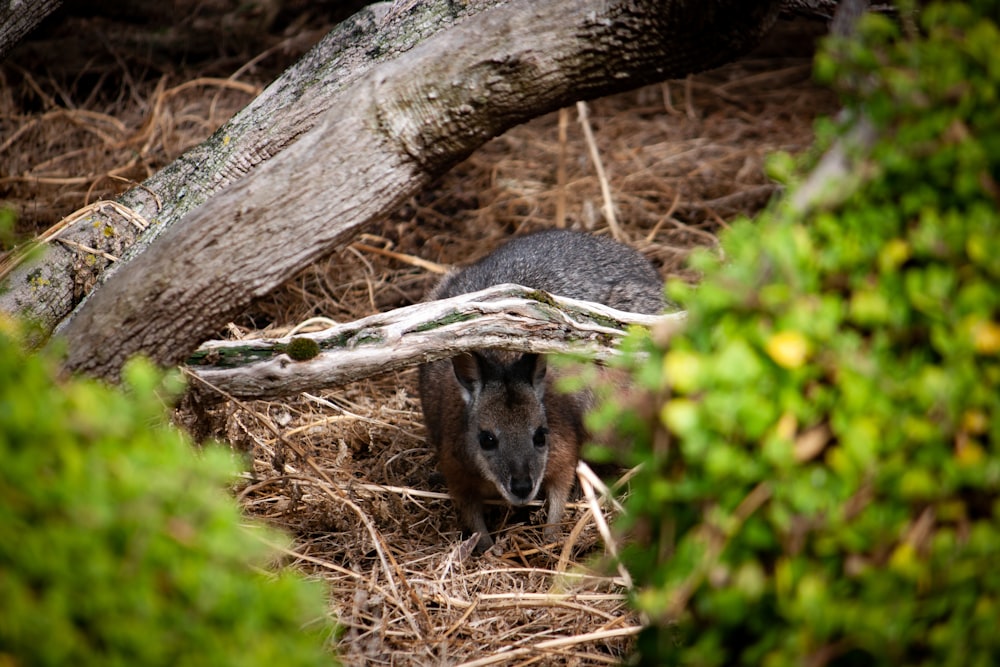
595,156
432,267
553,644
561,170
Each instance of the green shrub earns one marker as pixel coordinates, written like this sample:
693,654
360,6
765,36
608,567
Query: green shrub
821,480
119,545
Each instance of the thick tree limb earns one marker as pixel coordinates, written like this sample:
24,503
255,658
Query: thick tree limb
47,291
393,127
506,316
387,135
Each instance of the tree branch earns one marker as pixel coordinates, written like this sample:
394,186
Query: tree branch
386,136
506,316
47,292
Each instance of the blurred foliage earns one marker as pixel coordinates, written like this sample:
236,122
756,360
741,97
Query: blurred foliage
821,443
119,544
7,220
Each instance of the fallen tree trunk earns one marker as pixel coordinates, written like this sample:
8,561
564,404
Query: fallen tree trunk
387,135
507,316
105,236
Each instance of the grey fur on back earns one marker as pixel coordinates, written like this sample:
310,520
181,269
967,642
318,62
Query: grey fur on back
565,263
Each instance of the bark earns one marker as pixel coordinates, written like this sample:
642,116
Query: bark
389,130
506,316
47,291
19,17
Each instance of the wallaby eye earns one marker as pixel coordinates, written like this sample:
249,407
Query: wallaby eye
487,440
540,437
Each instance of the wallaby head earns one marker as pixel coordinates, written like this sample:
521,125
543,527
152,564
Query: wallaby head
506,434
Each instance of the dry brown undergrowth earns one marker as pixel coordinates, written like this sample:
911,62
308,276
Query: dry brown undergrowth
367,512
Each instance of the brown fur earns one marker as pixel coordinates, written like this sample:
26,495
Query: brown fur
449,429
500,428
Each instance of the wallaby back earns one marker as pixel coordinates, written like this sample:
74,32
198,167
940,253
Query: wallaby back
499,427
573,264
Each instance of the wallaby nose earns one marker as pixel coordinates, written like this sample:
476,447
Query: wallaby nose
521,487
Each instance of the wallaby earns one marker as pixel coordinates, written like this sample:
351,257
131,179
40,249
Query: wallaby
499,426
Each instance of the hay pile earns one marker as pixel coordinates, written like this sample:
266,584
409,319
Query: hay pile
347,472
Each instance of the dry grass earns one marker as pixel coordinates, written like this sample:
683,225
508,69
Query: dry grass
348,472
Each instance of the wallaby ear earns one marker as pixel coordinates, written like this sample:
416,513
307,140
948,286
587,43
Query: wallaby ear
532,368
468,374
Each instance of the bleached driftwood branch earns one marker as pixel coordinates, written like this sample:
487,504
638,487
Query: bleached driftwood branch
505,316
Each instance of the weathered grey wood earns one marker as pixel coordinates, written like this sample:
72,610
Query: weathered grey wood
47,291
19,17
386,136
506,316
388,132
